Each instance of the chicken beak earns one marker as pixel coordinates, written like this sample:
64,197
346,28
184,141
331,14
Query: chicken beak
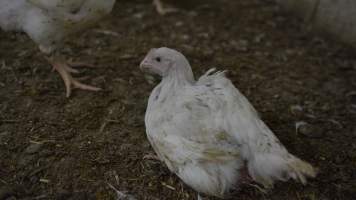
144,65
151,77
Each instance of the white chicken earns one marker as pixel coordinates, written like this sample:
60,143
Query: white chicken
207,132
49,22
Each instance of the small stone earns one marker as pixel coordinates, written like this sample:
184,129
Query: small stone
139,15
33,148
185,37
296,109
309,130
179,23
259,38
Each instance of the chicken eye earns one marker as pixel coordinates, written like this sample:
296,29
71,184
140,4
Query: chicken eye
158,59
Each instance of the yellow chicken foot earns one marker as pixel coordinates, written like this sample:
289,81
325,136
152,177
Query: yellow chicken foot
65,72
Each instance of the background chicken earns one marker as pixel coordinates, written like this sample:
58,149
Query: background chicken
49,22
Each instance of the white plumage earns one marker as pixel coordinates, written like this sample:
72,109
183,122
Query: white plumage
49,22
206,131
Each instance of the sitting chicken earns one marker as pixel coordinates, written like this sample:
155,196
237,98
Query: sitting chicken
49,22
208,133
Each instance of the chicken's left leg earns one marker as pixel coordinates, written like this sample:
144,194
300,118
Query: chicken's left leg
65,71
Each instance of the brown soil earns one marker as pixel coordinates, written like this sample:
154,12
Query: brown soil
53,147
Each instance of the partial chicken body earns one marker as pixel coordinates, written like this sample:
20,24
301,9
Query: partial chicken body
206,131
49,22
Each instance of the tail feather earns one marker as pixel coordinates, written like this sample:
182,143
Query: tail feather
265,169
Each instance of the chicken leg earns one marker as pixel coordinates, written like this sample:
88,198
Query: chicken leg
161,10
65,70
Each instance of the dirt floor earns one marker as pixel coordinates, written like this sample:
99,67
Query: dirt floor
53,147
